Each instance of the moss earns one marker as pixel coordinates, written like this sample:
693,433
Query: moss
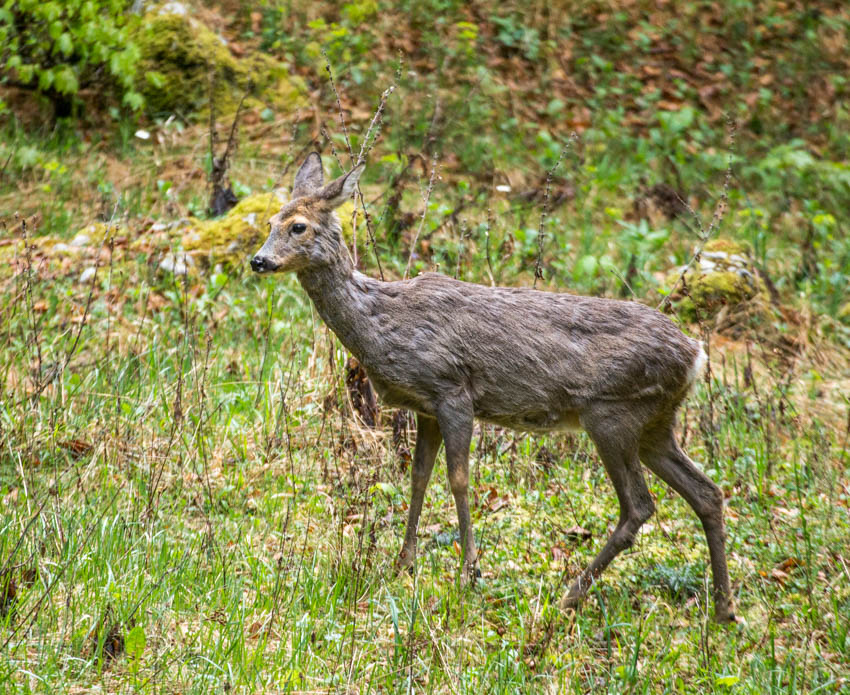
844,313
727,246
723,277
710,292
229,239
344,213
177,55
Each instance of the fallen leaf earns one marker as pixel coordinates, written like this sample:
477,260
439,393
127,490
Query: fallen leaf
788,564
558,553
667,105
779,575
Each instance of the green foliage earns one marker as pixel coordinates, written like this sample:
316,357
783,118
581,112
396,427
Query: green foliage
681,581
179,56
58,48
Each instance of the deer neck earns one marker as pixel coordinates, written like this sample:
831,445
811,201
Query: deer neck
342,298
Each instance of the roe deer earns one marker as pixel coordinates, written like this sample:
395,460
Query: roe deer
453,351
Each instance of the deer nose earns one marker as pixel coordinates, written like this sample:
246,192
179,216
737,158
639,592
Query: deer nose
259,264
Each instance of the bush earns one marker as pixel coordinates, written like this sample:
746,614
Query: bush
178,54
58,48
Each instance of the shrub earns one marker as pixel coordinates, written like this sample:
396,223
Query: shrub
58,48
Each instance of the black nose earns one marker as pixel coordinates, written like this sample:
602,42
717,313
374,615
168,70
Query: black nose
259,264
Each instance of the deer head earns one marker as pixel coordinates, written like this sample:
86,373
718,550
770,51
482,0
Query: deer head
305,234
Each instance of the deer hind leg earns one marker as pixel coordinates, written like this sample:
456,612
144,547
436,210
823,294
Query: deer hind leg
428,439
664,457
619,453
455,422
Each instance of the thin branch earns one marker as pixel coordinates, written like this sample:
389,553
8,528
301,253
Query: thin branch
716,218
538,263
426,198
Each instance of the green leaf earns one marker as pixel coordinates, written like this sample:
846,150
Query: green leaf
65,44
134,642
134,100
587,266
727,681
26,73
66,81
45,79
386,488
155,78
27,156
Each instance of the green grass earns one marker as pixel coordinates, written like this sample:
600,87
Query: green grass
190,504
192,493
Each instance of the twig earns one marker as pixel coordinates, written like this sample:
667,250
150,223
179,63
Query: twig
6,164
426,198
377,119
487,246
716,218
339,106
538,263
365,148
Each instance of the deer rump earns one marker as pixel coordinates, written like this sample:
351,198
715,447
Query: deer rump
522,358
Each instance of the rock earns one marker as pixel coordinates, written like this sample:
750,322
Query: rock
177,263
81,240
86,275
62,247
231,238
177,8
723,277
177,54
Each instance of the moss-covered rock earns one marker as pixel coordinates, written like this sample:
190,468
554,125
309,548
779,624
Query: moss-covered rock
178,55
230,239
724,276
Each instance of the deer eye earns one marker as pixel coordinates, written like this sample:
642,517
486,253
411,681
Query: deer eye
298,228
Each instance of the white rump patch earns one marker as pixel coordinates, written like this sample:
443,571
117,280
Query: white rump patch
698,365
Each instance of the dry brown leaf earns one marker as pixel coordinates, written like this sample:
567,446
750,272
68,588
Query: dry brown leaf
788,564
779,575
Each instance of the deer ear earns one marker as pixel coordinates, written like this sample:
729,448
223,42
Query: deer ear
341,189
309,178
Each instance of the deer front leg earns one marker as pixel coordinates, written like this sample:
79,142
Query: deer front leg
428,440
456,426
